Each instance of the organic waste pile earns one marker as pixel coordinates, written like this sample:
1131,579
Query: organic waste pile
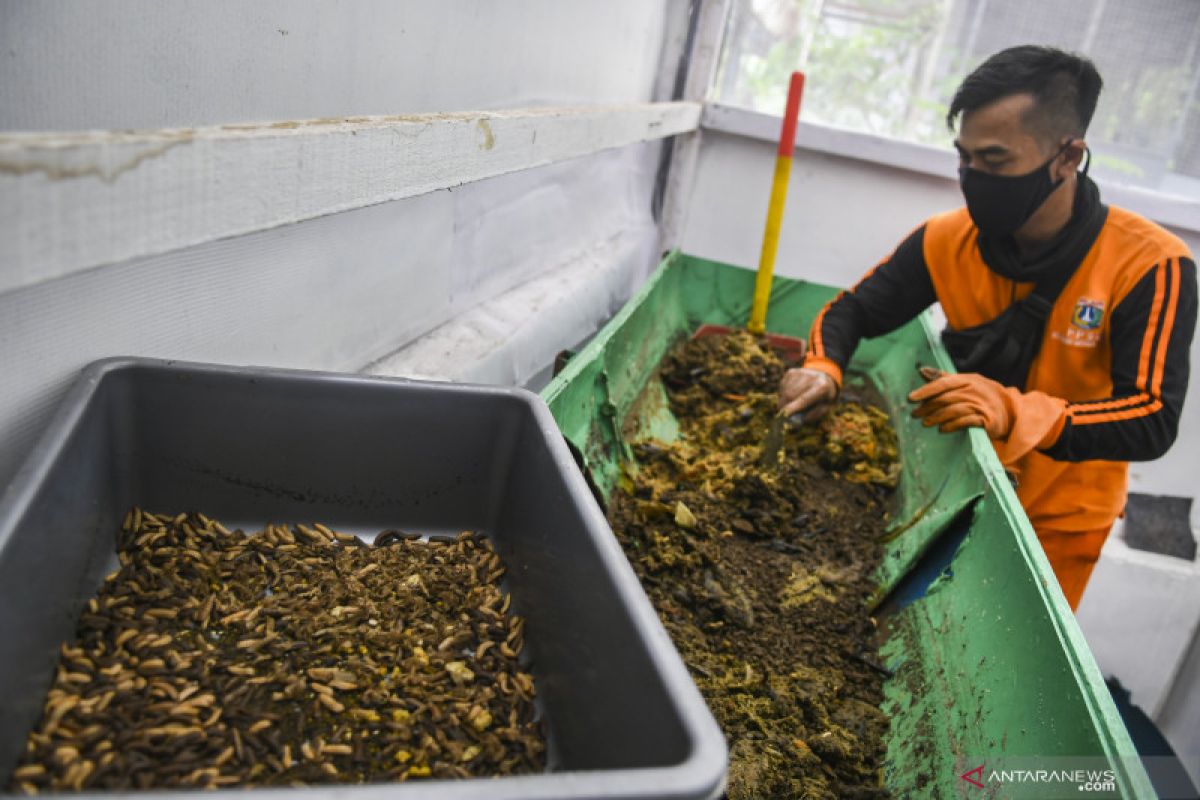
294,656
762,572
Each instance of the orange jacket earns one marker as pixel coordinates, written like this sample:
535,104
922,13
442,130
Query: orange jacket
1115,347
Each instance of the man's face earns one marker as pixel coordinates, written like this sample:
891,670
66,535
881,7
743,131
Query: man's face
994,139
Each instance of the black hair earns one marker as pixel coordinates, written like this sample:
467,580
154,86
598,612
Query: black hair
1064,86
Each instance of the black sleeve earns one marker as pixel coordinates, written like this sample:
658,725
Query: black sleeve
1151,335
898,289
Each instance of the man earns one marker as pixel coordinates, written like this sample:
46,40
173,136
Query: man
1070,321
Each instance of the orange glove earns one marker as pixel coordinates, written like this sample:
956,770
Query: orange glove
1017,422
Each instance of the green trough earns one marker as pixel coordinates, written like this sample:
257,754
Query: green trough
990,666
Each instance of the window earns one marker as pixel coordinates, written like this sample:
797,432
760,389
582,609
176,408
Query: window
890,67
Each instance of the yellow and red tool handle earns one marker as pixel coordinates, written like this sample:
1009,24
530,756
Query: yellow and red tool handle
779,187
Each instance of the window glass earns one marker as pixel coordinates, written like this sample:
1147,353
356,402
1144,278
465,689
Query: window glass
890,67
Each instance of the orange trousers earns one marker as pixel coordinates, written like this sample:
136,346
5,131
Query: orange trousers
1072,556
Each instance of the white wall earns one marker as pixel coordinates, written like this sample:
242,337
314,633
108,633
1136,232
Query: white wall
842,214
343,291
332,293
1141,616
1180,719
119,64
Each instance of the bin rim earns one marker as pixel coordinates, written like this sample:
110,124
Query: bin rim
702,770
1100,705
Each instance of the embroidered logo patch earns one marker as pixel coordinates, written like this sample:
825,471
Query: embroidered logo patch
1088,314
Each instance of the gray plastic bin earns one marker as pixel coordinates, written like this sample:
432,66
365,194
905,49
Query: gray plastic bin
252,445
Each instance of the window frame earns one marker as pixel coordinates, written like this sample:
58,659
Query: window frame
1172,211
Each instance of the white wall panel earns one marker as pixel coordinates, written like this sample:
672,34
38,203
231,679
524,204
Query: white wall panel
137,64
515,335
73,201
338,291
842,214
331,293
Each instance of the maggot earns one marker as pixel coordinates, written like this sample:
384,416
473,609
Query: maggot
330,703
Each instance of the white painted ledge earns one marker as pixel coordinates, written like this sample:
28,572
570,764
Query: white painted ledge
1139,613
509,338
73,201
1165,209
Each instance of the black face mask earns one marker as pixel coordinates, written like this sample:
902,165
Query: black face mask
1000,204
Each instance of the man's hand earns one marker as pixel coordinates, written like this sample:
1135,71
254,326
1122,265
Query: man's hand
1017,422
807,390
957,401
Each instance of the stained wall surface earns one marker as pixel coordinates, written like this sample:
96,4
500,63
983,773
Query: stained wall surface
339,292
120,64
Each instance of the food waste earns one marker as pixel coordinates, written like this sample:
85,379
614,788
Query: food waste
762,573
295,656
